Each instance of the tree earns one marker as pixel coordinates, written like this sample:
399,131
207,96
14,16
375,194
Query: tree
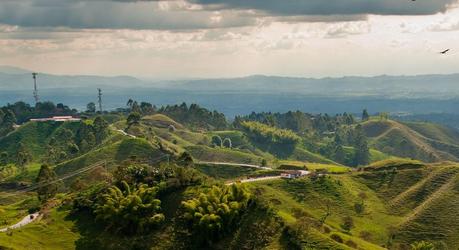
91,107
348,223
9,119
133,118
23,156
217,141
422,245
46,181
365,115
129,103
186,158
147,108
340,155
3,158
215,212
362,152
2,114
264,163
100,126
227,143
129,210
384,116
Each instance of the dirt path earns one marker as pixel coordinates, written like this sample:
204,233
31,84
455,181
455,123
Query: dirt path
26,220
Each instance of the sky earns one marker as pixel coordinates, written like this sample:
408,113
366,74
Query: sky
179,39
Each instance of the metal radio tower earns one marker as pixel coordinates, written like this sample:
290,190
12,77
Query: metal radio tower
100,100
35,90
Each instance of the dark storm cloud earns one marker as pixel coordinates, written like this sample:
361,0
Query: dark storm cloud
111,14
147,14
334,7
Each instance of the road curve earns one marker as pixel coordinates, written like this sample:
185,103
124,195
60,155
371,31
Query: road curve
26,220
255,179
233,164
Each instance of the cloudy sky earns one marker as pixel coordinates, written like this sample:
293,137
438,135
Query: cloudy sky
228,38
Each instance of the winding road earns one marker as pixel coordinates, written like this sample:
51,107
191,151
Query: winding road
266,178
26,220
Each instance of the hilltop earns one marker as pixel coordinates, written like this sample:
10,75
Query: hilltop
416,140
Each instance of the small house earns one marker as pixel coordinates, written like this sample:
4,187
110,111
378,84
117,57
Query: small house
294,174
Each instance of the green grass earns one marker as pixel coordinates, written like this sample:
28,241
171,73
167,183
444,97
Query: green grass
52,232
294,198
225,172
34,136
217,154
331,168
425,198
112,154
422,141
301,154
161,121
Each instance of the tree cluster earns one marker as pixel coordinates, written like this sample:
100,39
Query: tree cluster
7,121
215,212
25,112
298,121
195,116
263,133
129,209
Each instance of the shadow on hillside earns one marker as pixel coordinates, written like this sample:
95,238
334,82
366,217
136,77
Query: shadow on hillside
281,151
94,236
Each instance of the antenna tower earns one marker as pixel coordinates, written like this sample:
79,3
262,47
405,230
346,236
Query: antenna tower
35,90
100,100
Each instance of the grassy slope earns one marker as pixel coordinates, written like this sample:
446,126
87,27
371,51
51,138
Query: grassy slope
422,141
295,198
34,136
53,232
112,153
425,197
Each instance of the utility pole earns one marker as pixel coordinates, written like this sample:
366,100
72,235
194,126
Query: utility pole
35,90
100,100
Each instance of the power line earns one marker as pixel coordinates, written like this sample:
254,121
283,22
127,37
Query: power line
77,172
36,186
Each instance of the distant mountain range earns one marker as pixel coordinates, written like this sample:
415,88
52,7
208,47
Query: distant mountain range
412,94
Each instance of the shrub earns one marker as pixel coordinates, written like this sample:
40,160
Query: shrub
217,141
348,223
336,238
266,134
227,143
359,207
215,212
130,210
326,229
422,245
352,244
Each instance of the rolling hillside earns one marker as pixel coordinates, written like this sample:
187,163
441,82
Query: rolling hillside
422,141
424,197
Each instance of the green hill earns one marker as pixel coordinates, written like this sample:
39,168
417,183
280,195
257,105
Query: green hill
421,141
34,136
112,154
425,197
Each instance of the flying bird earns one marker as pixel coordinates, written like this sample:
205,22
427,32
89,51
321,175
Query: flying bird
444,52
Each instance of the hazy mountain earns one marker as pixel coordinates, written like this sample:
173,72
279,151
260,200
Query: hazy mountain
422,94
18,79
389,86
